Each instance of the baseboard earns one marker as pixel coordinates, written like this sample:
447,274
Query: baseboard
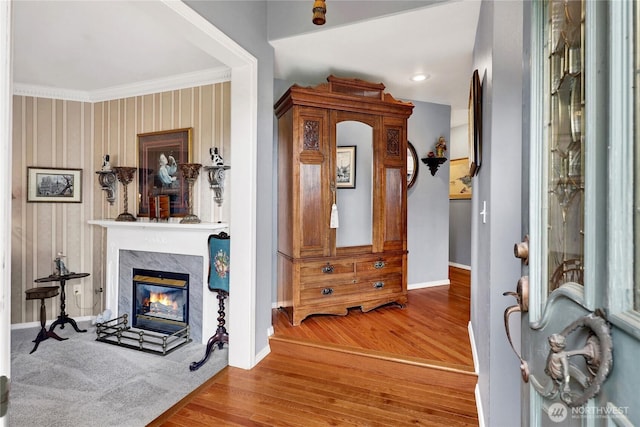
262,354
461,266
27,325
476,368
474,350
428,284
479,406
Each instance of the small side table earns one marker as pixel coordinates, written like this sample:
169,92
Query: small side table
41,293
63,317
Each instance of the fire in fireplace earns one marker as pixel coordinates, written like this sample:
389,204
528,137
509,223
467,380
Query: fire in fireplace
160,300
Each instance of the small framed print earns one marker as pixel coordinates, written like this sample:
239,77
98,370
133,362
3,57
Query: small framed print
56,185
346,166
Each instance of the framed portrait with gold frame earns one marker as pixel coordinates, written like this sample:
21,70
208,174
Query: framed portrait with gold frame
159,154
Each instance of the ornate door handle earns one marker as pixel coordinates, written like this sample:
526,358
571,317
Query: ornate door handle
522,299
598,359
597,351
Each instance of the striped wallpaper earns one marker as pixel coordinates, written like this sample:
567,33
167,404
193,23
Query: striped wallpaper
71,134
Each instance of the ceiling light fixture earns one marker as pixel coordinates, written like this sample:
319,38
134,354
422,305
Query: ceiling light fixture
319,9
420,77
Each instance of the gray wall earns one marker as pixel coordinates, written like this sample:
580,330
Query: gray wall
460,232
494,270
246,23
428,199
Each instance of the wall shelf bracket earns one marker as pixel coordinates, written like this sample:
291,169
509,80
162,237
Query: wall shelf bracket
433,163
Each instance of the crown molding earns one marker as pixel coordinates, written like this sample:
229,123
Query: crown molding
180,81
37,91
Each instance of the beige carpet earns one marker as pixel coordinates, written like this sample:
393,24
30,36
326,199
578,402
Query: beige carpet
81,382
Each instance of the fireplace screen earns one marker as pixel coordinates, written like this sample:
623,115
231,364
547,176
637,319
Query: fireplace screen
161,300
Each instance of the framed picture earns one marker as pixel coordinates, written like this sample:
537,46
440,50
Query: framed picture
475,124
54,185
346,166
159,154
459,179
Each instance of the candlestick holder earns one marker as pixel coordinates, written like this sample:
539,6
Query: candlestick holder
190,172
125,176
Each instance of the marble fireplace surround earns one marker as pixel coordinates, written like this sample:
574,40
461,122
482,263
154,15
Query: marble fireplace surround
172,263
169,238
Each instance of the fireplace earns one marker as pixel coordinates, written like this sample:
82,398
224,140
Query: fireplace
162,247
173,267
160,300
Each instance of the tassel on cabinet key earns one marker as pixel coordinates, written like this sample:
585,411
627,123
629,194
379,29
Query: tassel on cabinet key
333,220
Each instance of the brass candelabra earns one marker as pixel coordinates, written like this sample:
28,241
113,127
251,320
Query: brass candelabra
190,172
125,176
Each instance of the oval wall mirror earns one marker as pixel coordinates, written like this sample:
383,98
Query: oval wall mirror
412,165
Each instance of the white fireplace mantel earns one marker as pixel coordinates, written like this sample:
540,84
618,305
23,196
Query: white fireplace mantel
164,237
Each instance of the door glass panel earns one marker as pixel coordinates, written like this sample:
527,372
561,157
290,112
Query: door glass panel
564,103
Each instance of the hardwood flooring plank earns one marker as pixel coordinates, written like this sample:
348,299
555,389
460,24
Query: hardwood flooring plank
388,367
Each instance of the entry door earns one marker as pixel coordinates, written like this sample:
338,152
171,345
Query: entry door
579,296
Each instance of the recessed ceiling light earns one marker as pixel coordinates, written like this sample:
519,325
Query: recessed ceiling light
420,77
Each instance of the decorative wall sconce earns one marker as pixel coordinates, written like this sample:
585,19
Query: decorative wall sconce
107,179
433,163
434,160
215,174
109,183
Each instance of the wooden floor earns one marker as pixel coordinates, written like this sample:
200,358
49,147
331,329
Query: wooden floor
389,367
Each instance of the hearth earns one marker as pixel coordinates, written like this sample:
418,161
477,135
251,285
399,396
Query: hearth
160,300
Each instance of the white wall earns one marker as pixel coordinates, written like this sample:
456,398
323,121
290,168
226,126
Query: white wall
5,206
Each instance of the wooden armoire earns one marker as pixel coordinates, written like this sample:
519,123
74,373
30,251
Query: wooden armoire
363,262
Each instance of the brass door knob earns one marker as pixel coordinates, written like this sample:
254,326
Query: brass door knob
521,250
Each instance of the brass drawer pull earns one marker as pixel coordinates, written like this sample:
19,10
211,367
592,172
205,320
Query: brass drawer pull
327,291
327,269
378,285
379,264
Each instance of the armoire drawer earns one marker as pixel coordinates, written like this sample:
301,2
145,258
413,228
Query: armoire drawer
328,292
339,291
320,271
371,287
379,266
